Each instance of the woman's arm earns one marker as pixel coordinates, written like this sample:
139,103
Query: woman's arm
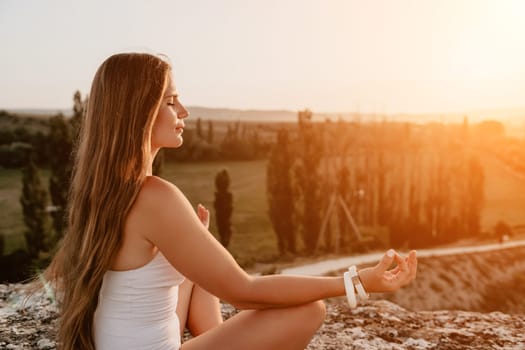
171,224
286,290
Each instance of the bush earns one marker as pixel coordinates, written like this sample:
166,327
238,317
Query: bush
15,154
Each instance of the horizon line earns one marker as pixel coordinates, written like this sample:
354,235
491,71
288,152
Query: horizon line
442,113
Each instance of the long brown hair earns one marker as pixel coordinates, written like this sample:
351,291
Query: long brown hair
111,162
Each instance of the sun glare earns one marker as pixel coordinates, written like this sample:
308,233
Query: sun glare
489,43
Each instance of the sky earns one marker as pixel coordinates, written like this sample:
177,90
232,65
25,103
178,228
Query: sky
380,56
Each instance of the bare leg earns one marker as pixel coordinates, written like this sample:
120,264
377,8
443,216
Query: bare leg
197,309
285,328
183,304
204,313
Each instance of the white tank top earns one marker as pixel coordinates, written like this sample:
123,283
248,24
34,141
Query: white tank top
136,308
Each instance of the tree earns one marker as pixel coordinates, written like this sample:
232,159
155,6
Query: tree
230,144
280,194
307,180
475,196
200,134
223,206
61,163
209,138
79,107
34,202
15,154
343,191
255,143
2,244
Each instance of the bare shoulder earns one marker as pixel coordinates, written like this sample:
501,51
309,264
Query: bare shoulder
157,192
160,206
157,198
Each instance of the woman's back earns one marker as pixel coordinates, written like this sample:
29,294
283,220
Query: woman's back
136,308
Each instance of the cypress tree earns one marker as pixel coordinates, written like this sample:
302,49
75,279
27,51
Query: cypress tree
61,163
209,138
199,128
307,180
280,194
34,201
78,114
343,189
223,206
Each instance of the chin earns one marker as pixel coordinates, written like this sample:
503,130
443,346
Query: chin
179,143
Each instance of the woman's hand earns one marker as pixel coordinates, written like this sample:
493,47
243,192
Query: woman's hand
380,279
204,215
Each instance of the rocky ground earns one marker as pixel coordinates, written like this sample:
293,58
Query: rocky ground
377,324
381,324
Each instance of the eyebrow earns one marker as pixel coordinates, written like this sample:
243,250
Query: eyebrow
175,95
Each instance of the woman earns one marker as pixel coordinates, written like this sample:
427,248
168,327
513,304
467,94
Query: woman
135,251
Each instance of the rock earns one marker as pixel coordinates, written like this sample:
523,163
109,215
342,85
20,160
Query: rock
375,324
45,344
398,328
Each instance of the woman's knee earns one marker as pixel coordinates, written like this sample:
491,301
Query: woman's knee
317,312
312,315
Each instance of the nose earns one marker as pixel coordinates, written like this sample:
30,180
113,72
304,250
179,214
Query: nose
182,112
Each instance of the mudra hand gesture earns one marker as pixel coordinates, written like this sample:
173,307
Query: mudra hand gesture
381,278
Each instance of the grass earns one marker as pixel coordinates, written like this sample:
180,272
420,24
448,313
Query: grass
11,220
504,195
253,238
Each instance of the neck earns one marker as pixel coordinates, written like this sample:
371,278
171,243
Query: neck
154,152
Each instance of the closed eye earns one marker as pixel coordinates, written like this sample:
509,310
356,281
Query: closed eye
171,100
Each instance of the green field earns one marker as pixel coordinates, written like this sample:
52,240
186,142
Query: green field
253,239
11,220
252,234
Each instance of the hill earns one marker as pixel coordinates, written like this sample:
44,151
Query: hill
511,117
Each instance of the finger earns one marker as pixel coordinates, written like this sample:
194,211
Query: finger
394,270
202,212
412,263
405,273
386,260
393,281
401,262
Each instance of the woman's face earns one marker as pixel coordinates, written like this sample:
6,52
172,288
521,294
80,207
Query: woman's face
169,124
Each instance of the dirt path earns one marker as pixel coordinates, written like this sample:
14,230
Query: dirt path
324,267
